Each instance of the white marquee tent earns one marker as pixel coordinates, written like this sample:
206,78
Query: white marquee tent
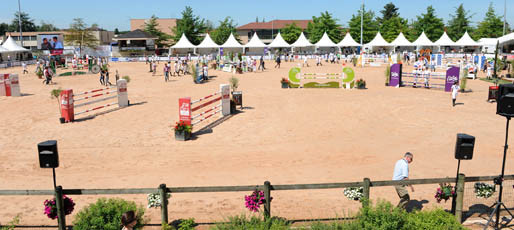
466,40
11,45
423,40
325,41
401,41
378,41
302,41
231,42
279,42
183,44
444,40
348,41
255,42
207,46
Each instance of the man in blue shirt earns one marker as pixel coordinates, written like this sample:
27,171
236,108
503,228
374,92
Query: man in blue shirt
401,172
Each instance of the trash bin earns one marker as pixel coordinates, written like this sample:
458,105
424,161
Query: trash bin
493,92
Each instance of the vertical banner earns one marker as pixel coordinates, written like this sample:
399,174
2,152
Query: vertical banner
395,78
184,112
7,84
221,51
475,60
15,85
439,60
452,76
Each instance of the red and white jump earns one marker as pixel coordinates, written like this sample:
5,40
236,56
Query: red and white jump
68,99
186,108
9,85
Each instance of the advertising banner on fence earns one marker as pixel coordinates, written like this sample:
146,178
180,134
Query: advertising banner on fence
396,73
452,76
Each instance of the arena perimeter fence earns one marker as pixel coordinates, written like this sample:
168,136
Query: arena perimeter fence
267,187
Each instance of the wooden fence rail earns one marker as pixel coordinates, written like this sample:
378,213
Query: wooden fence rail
267,187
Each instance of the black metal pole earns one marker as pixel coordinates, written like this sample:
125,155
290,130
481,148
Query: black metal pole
55,184
454,196
503,173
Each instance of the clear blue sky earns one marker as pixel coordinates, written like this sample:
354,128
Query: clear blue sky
110,14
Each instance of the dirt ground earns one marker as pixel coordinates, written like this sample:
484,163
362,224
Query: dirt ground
285,136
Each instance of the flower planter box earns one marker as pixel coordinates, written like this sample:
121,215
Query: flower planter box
285,85
182,136
361,87
237,97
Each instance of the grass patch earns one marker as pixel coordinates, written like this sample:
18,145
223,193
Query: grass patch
493,80
331,84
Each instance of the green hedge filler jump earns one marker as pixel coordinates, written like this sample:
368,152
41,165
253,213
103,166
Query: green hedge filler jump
341,80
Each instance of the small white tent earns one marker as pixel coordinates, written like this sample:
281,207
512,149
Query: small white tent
325,41
11,45
183,44
400,40
255,45
348,41
423,40
279,42
207,46
378,41
302,42
444,40
466,40
232,45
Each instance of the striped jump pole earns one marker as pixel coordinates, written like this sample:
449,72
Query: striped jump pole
220,99
9,85
68,100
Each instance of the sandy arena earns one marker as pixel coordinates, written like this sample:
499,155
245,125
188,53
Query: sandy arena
285,136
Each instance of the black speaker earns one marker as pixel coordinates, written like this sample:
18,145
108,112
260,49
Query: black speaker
505,100
464,147
48,157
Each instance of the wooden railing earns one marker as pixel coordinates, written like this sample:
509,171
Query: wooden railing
267,187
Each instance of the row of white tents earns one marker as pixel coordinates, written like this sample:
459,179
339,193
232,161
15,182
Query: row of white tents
325,41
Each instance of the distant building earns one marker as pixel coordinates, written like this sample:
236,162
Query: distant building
165,25
30,39
135,41
267,30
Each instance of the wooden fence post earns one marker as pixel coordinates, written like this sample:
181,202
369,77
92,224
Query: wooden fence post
59,202
460,197
267,195
365,192
164,203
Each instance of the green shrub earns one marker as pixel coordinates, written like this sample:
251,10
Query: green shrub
127,78
254,223
12,223
333,226
105,214
234,83
383,216
433,220
55,93
188,224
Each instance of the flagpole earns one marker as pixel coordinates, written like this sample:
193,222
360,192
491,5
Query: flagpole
19,22
504,17
362,20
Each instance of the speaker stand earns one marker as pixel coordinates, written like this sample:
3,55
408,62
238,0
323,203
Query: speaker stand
499,202
55,184
454,200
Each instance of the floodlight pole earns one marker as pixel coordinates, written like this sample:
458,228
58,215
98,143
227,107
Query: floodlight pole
504,17
19,23
362,21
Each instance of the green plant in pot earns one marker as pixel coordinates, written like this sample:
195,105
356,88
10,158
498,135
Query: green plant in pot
56,94
237,96
285,83
182,131
361,84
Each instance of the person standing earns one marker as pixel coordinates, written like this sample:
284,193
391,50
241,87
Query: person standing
455,91
177,69
305,63
128,220
102,77
166,72
401,172
277,61
261,64
117,76
154,67
24,65
48,75
107,78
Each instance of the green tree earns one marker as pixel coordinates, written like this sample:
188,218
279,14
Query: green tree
369,28
491,26
459,23
78,34
190,25
116,31
4,27
389,11
27,24
151,28
322,24
47,27
223,31
291,32
428,22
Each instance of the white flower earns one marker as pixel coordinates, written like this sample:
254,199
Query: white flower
354,193
154,200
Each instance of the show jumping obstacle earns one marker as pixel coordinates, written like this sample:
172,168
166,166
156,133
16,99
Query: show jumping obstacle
68,99
424,79
204,112
9,85
344,79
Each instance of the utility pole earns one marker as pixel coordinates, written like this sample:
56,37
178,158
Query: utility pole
362,20
504,17
19,23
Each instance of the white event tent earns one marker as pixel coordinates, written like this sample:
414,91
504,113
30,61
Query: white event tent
325,41
348,41
207,45
232,43
378,41
423,40
17,52
401,41
183,44
11,45
444,40
466,40
255,45
302,42
279,42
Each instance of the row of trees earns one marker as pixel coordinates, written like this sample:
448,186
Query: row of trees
27,25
